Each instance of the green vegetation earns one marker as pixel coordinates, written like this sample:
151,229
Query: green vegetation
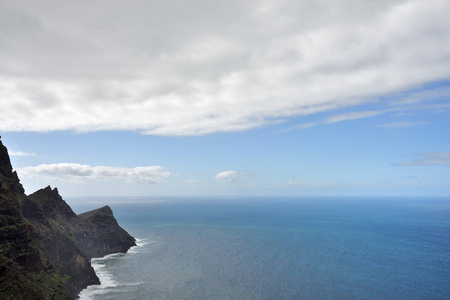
17,283
65,278
45,247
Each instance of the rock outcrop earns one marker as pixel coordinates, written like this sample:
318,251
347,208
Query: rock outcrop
97,232
103,235
60,241
45,248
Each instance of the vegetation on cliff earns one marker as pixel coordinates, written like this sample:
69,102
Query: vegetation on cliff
45,248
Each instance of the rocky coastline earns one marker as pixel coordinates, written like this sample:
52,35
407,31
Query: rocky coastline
45,248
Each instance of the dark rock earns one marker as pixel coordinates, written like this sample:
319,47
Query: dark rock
105,234
24,269
45,248
97,232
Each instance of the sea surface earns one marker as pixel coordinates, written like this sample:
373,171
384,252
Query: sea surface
278,248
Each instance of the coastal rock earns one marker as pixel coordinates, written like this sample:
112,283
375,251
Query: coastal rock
96,232
104,235
61,243
25,271
45,248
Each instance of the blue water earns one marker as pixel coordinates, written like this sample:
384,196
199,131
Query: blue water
280,248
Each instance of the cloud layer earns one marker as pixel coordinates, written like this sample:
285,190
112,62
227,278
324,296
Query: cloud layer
228,176
428,159
192,68
78,172
20,153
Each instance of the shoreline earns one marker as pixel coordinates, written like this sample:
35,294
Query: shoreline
106,278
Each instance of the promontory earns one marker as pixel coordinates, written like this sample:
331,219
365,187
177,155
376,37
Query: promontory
45,248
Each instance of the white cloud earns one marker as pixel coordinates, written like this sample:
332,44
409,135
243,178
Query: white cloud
428,159
228,176
405,104
325,184
292,182
401,124
353,116
178,68
20,153
193,181
78,172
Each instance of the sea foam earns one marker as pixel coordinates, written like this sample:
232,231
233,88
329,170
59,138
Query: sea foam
108,283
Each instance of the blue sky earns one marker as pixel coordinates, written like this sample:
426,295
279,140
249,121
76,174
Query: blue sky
274,98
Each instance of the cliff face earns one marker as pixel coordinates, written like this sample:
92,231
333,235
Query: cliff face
60,241
97,232
25,271
104,235
45,248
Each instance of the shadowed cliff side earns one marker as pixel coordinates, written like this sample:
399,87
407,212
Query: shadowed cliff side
60,242
45,248
25,270
97,232
106,234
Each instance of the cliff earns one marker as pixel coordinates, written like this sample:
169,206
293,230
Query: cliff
60,242
103,234
45,248
97,232
25,271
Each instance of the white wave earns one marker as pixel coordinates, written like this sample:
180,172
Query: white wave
139,244
108,284
132,283
107,281
142,242
106,257
133,250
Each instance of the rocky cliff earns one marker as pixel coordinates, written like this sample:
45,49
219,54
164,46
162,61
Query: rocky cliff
45,248
103,234
97,232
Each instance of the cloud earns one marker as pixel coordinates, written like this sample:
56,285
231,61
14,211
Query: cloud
325,184
401,124
352,116
293,182
20,153
305,125
178,68
193,181
228,176
300,126
78,172
405,104
428,159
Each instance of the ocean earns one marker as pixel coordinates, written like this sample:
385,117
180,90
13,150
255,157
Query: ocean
278,248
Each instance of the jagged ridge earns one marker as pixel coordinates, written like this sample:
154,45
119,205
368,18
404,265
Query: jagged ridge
104,234
45,248
97,232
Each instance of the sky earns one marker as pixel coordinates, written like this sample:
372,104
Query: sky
227,98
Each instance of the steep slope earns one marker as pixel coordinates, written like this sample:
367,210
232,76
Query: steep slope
25,271
61,243
45,248
97,232
106,234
